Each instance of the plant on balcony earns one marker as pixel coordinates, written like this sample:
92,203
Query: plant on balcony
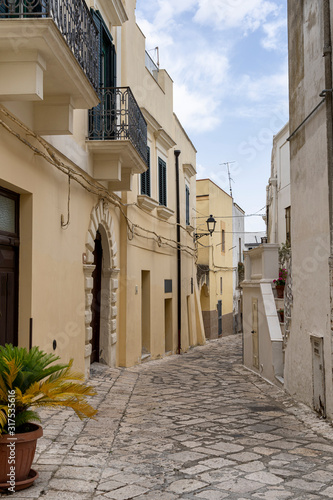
280,282
30,380
281,315
284,253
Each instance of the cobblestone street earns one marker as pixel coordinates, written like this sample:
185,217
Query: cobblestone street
196,426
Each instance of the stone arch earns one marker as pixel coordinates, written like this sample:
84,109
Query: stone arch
101,220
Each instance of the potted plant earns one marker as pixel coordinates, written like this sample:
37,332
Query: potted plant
280,282
281,315
30,380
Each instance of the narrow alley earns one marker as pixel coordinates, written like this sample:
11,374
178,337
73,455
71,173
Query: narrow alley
196,426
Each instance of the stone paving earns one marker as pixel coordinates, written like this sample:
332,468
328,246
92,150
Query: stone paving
196,426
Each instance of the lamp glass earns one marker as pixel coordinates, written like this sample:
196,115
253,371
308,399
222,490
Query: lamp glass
211,223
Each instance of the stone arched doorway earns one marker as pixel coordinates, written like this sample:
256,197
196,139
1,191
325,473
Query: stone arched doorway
101,227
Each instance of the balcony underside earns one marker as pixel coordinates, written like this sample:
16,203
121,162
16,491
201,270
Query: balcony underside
37,65
116,162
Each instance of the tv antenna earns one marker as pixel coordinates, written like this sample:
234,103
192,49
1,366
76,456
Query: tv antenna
229,175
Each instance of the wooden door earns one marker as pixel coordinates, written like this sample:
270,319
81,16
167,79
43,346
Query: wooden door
8,295
219,318
319,393
255,337
9,258
96,302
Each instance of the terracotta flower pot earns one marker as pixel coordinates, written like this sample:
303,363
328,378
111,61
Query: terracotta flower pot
280,291
18,451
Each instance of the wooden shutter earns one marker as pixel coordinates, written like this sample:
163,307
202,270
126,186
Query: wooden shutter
101,122
145,177
162,188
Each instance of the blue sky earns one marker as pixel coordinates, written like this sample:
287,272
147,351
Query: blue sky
228,61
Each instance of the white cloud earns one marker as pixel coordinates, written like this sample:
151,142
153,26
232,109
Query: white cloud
221,14
265,88
273,32
196,112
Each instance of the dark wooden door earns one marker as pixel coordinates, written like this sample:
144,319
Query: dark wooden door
8,294
219,318
96,302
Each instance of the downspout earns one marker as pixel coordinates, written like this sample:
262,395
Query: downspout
327,54
179,267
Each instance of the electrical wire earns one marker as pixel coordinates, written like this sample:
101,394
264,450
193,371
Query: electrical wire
87,184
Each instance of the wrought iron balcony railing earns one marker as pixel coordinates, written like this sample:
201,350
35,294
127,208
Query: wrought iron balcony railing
118,117
74,21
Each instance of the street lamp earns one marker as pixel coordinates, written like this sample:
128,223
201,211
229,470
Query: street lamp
211,223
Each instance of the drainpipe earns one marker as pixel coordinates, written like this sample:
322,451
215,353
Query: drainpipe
327,54
179,268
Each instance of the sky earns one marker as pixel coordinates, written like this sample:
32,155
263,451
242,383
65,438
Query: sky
228,61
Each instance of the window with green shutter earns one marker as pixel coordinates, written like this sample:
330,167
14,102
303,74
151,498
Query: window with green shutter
187,194
145,177
162,187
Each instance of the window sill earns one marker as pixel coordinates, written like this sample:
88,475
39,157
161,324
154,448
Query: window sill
164,212
147,203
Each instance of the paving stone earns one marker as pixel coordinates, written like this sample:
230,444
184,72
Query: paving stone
186,485
186,456
251,466
228,447
212,495
197,469
239,486
273,495
304,485
217,463
89,473
328,492
126,492
244,457
65,495
73,485
185,427
264,477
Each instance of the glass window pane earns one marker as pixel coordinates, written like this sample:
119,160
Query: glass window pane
7,214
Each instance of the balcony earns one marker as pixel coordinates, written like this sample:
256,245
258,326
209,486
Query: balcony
49,55
117,138
151,66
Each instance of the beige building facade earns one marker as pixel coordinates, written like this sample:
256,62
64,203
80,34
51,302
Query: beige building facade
215,259
88,232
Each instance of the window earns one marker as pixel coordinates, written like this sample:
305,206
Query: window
223,241
102,118
162,188
9,209
145,177
240,256
187,194
221,286
288,224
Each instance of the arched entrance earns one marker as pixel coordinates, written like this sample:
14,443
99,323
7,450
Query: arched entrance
101,284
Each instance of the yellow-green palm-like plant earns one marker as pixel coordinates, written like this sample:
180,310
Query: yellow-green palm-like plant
30,380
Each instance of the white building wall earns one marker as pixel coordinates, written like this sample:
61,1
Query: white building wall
238,244
278,189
